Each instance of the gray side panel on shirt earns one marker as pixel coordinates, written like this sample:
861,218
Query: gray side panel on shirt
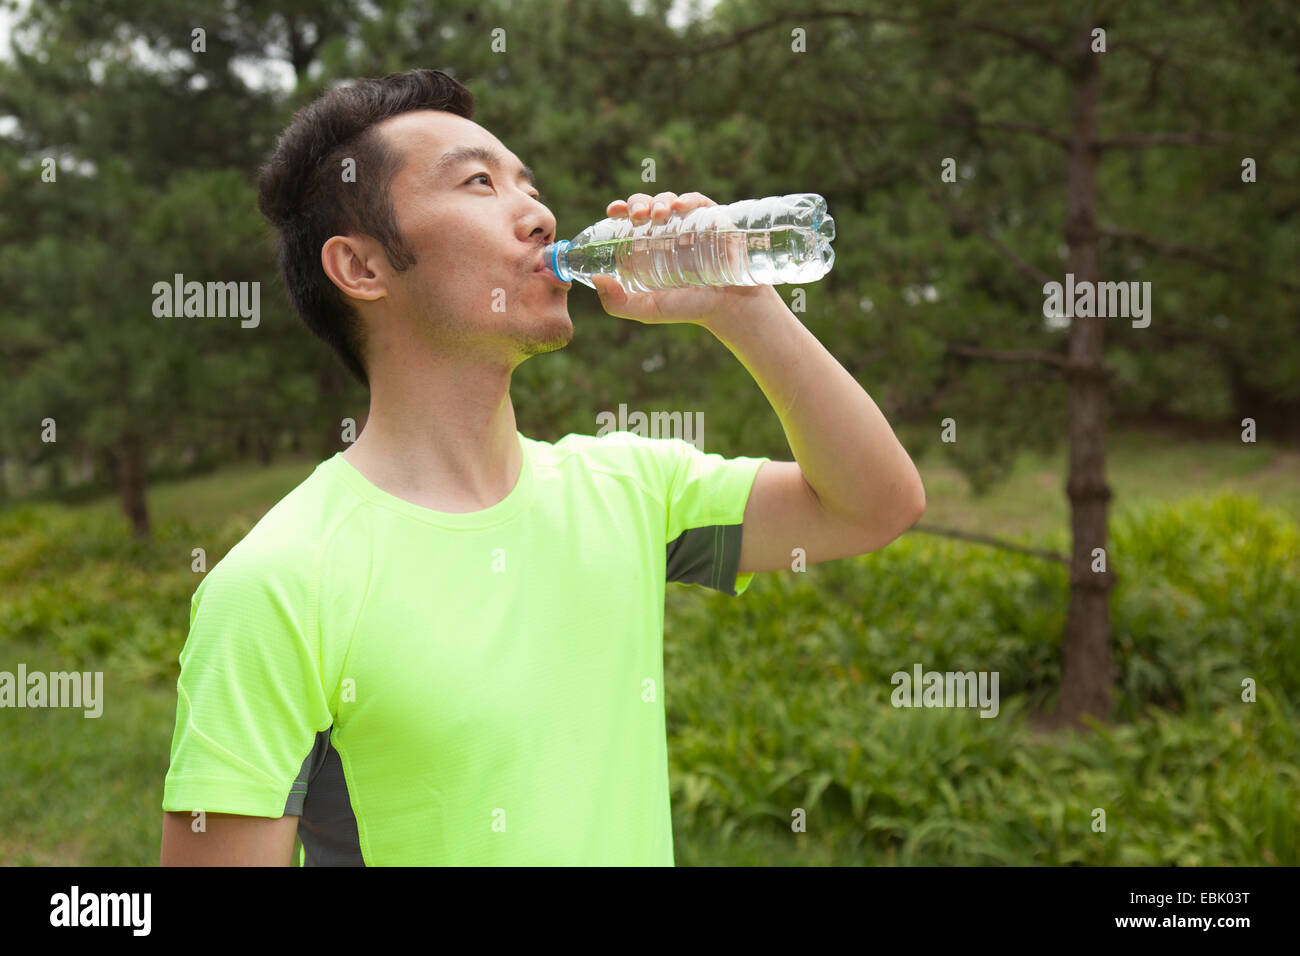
328,827
709,556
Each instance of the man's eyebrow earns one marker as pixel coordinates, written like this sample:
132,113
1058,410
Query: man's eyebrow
464,154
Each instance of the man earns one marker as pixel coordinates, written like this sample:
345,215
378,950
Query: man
445,646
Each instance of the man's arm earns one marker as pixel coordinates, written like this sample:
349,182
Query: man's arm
229,840
853,488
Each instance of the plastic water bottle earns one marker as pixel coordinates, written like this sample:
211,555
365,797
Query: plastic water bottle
772,241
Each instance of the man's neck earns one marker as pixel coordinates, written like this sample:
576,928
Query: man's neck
443,438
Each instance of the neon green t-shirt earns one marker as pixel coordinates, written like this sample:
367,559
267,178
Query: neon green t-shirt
428,688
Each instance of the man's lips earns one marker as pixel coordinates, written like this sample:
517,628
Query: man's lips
550,276
544,266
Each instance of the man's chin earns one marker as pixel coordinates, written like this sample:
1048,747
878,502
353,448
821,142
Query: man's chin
556,335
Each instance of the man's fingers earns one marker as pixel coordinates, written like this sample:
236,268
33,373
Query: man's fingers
692,201
641,208
661,208
638,202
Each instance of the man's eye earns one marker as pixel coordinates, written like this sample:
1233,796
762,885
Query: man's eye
539,196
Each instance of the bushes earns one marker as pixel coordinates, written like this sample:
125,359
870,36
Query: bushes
76,581
781,699
1207,595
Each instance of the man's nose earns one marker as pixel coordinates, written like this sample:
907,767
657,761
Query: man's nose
540,224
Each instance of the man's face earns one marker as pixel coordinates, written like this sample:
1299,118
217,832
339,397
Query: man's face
476,230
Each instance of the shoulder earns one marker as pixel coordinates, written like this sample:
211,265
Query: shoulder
621,451
285,547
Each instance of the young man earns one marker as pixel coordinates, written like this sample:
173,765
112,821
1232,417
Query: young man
445,646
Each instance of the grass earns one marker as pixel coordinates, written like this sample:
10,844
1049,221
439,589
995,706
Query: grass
241,491
80,791
1144,466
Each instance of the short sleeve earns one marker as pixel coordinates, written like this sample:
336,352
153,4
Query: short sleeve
250,699
706,497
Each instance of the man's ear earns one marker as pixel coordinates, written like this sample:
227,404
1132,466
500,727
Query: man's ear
351,263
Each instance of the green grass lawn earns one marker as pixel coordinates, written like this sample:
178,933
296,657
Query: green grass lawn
240,491
82,791
78,790
1144,466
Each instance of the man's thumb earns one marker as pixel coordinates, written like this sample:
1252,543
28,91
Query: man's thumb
606,285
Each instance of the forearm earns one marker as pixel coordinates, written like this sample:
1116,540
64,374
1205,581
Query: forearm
845,448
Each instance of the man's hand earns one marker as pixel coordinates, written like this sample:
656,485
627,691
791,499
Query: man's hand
699,305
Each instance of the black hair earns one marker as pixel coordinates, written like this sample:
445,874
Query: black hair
302,191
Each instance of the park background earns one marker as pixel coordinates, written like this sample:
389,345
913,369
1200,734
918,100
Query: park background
1163,149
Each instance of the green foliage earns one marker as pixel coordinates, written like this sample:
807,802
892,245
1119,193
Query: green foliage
156,167
782,700
87,591
1212,599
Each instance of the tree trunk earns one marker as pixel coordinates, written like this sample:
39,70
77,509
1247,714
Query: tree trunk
131,457
1087,677
106,468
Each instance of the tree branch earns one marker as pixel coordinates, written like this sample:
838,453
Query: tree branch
873,356
1192,255
1075,371
1010,355
1142,141
1039,131
992,542
1025,42
1128,44
1022,266
736,38
1032,44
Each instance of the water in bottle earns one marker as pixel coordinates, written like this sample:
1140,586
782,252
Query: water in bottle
772,241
